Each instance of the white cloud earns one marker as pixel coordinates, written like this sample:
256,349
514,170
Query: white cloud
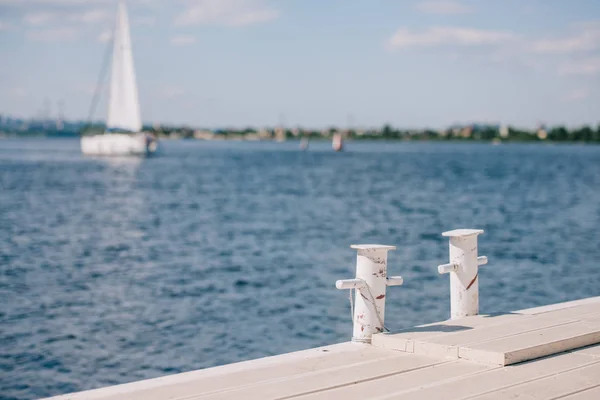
171,91
576,53
52,34
576,95
105,37
27,3
183,40
53,18
144,21
588,66
4,26
563,46
227,13
90,16
444,36
87,88
38,18
587,38
17,92
62,23
443,7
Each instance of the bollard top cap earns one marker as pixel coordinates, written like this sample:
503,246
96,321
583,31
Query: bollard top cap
372,247
462,232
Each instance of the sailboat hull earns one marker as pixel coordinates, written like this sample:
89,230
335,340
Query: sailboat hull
336,143
119,144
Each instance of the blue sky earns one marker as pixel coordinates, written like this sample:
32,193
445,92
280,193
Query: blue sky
314,63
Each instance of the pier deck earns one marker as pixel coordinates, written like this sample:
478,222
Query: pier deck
544,353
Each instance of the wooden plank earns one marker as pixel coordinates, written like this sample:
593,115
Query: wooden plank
531,345
593,351
494,379
321,380
489,333
404,339
248,378
551,387
447,330
586,394
579,312
405,381
238,374
591,317
446,346
452,327
460,338
559,306
248,381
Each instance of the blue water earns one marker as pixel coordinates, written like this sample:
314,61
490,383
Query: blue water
118,270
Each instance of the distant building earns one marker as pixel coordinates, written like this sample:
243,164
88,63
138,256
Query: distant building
203,135
264,134
466,132
279,134
541,132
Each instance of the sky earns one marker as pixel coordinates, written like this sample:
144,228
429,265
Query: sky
313,63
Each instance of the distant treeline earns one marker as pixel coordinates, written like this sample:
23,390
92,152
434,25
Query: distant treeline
473,132
387,132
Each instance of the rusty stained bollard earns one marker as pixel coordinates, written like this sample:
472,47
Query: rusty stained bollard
464,272
370,283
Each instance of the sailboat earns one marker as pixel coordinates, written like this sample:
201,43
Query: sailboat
337,142
123,135
304,143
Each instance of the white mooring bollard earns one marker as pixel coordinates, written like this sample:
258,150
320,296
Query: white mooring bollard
370,283
463,269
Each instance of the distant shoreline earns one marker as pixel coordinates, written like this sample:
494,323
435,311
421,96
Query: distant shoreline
326,140
468,133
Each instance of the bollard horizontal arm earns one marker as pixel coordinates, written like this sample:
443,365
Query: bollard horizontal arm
447,268
394,281
350,284
453,267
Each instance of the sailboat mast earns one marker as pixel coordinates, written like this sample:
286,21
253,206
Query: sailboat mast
98,89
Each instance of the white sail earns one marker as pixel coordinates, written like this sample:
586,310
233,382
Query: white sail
123,105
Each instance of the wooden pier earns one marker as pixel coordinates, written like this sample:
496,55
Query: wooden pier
544,353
